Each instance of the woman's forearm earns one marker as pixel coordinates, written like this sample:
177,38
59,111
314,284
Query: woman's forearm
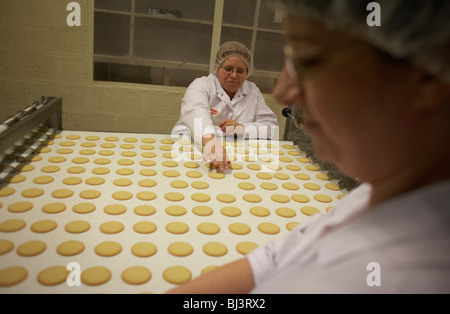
236,277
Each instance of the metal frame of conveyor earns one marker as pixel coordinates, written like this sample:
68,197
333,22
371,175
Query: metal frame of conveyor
47,112
294,132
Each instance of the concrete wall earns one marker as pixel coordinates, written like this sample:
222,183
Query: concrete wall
41,55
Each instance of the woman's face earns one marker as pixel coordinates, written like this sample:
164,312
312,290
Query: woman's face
356,104
232,74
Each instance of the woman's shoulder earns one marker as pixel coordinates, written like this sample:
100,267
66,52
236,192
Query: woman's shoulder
204,82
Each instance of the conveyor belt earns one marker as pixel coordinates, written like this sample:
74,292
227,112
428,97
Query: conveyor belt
79,154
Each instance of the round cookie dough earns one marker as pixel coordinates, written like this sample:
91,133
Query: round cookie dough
291,225
215,249
62,193
20,207
208,228
90,194
290,186
200,185
194,174
122,195
52,276
230,211
147,183
174,196
43,179
202,210
216,175
241,175
100,170
252,198
50,169
136,275
300,198
83,208
260,211
246,186
124,171
72,180
226,198
146,196
175,210
177,227
31,248
80,160
268,186
12,225
239,228
122,182
246,247
148,172
333,186
171,173
280,198
311,186
177,275
76,170
285,212
32,192
111,227
70,248
191,164
43,226
108,248
144,249
302,176
322,198
54,208
12,275
269,228
144,227
6,246
144,210
115,209
309,210
180,249
77,226
179,184
200,197
95,276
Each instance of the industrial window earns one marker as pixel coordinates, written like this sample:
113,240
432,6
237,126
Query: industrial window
172,42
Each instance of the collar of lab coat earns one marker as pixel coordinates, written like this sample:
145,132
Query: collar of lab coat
222,94
410,215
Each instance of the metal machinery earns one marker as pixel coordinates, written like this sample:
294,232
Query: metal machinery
294,132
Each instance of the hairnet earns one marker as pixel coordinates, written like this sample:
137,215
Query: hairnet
234,49
415,30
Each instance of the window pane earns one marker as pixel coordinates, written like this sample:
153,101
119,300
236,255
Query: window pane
172,40
238,12
267,17
236,34
201,10
268,51
117,5
111,34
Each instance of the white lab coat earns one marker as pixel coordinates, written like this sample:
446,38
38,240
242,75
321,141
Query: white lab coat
400,246
205,104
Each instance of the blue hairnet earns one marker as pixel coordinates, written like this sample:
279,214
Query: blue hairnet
417,30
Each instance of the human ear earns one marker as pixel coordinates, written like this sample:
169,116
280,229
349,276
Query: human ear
433,93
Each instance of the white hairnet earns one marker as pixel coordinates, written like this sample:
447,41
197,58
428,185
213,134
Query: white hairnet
235,49
415,30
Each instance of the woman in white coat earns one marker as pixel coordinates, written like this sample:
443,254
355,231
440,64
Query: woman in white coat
225,103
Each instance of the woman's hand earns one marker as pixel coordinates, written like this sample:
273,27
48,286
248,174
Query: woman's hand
214,150
230,126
